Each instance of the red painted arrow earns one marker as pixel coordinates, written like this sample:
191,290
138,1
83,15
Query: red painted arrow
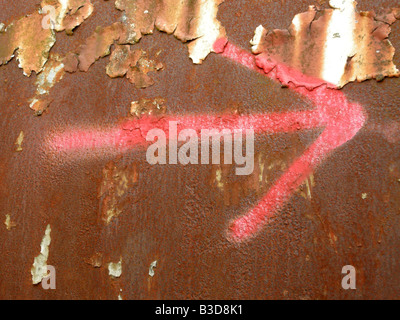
340,118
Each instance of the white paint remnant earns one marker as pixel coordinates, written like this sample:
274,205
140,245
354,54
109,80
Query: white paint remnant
339,45
9,224
209,30
364,196
39,267
115,269
51,74
33,102
258,35
152,267
63,12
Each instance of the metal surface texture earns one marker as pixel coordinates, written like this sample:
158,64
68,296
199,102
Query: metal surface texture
124,229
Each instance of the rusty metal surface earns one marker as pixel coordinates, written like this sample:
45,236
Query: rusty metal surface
346,213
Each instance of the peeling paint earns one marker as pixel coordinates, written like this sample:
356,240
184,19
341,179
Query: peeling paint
323,231
194,21
68,13
52,73
9,224
115,269
39,267
153,265
19,142
30,40
342,45
364,196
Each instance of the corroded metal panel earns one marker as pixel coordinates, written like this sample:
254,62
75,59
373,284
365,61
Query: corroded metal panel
84,83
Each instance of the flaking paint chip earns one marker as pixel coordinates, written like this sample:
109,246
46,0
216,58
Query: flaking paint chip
135,65
188,20
9,224
19,142
153,265
115,269
39,267
335,47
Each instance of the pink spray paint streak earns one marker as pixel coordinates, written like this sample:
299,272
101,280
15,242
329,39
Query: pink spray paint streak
340,119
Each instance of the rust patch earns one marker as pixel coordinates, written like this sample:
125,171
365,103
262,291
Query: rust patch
305,190
148,107
342,45
235,189
113,191
33,36
96,260
98,45
134,64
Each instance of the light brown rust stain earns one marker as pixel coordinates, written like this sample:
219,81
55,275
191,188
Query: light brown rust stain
234,190
98,45
96,261
19,142
30,40
148,107
305,190
338,45
114,188
134,64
